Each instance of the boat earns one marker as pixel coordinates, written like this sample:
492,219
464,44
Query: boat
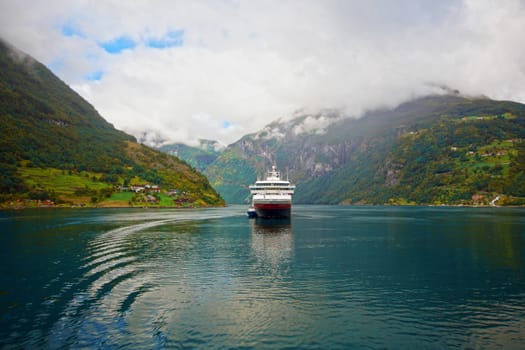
272,197
251,212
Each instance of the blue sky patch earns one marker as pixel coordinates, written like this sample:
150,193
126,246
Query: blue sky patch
94,76
226,124
118,45
173,38
69,31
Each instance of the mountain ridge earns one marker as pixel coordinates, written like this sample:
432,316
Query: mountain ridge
56,148
369,160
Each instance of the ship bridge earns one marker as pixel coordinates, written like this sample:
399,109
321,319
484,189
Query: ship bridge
272,185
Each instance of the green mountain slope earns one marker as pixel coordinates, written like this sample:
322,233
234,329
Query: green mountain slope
198,157
55,147
433,150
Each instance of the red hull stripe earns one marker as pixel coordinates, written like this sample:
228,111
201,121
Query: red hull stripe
266,206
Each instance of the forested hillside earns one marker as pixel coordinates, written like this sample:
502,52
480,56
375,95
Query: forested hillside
442,149
199,157
55,147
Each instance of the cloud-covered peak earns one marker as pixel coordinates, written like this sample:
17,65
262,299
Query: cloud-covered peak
222,69
315,124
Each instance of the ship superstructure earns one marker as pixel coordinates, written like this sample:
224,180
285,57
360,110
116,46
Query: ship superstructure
272,197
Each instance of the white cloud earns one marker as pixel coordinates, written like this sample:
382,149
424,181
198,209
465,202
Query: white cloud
241,64
270,132
314,124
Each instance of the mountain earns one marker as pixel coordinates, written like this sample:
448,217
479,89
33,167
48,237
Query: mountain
55,148
199,157
442,149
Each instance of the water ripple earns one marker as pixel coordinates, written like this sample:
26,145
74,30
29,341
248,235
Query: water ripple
213,279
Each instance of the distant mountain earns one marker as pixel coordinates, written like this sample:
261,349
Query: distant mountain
443,149
55,148
199,157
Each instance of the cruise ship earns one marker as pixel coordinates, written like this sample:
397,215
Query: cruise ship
272,197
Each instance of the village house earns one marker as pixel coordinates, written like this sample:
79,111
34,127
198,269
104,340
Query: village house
152,188
145,188
173,192
137,188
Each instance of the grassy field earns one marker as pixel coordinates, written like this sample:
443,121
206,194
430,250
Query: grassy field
83,189
118,199
127,199
60,180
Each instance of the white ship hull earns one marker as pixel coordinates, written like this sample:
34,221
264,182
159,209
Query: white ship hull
272,198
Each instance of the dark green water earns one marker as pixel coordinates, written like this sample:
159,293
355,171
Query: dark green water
332,277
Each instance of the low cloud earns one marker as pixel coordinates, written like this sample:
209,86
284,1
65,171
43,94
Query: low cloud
314,125
219,70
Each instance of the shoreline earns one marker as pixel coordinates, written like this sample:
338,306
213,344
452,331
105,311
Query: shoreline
63,206
48,207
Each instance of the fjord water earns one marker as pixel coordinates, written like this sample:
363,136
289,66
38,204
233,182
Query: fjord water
331,277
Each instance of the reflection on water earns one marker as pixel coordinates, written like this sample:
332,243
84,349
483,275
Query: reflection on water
275,225
272,240
332,277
